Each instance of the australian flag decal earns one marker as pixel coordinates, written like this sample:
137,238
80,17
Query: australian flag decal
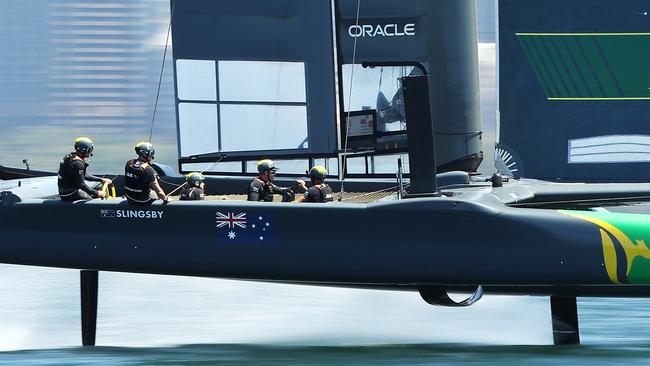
242,227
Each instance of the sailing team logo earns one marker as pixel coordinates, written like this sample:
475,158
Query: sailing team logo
623,237
132,214
237,227
381,30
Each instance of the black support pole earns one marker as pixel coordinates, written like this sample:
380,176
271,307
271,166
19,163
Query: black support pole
89,281
420,134
564,315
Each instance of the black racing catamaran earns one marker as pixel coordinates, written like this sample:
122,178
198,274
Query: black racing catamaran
336,83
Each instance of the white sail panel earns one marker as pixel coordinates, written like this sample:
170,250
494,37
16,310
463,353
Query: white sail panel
262,81
222,166
263,127
196,80
610,149
290,166
198,128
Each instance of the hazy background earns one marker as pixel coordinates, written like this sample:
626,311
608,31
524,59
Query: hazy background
70,68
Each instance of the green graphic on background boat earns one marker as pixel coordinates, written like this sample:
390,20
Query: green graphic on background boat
625,239
590,66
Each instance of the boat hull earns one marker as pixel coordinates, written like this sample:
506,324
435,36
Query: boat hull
401,244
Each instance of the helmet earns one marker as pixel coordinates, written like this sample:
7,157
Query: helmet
318,172
194,179
84,145
145,149
266,165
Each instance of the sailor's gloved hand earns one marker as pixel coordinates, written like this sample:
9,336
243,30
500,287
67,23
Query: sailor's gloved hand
301,183
165,200
288,195
106,180
101,194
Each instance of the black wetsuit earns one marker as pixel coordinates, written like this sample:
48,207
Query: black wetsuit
138,177
322,193
72,179
192,194
260,191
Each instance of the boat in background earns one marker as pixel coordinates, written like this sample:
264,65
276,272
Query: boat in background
573,92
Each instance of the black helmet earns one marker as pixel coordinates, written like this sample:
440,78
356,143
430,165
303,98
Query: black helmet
266,165
145,149
84,145
195,179
318,172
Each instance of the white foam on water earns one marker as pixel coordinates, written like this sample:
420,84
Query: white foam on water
13,337
41,310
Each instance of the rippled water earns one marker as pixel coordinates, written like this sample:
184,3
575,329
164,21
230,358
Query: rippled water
411,354
163,320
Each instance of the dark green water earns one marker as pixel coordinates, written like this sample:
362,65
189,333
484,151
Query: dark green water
419,354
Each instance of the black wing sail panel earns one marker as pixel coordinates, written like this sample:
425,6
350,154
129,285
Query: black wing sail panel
254,77
257,78
435,37
574,90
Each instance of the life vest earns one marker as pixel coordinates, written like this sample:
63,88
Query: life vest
67,180
191,194
326,194
136,185
266,193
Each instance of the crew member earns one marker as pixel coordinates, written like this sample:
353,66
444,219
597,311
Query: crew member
319,191
72,175
196,187
262,187
140,178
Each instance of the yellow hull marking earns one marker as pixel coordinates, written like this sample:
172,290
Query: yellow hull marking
609,252
631,250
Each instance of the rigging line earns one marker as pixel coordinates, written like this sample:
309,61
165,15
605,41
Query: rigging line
162,69
402,124
347,122
201,172
99,184
170,183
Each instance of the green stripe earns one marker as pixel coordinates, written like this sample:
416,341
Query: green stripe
534,64
542,70
582,34
595,99
599,66
557,60
573,70
629,58
590,79
546,60
596,66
